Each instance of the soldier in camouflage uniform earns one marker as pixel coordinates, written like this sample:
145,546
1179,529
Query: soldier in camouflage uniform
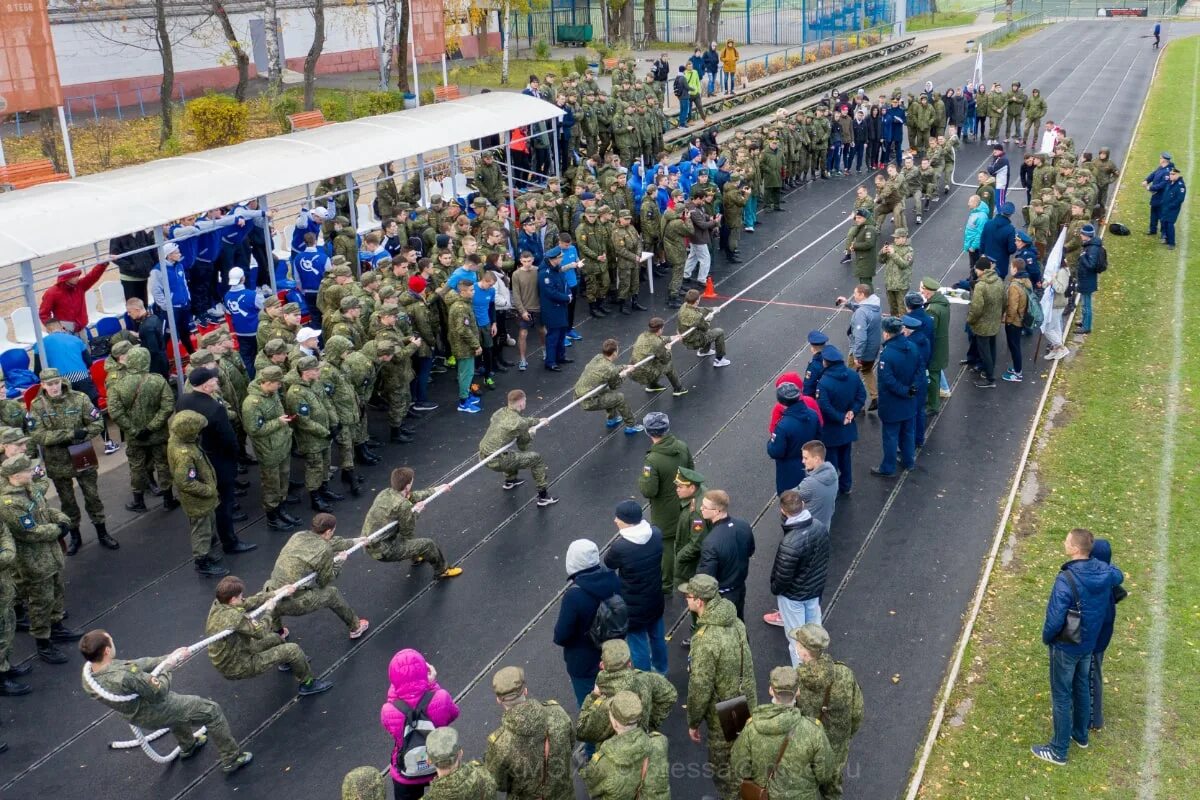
862,247
314,423
897,261
633,764
315,551
253,648
268,315
509,426
60,417
347,322
627,250
37,531
828,692
697,332
195,483
367,783
591,242
652,343
141,402
780,749
455,780
618,674
602,371
733,202
888,200
155,705
269,428
275,353
722,667
339,391
675,229
529,756
9,570
362,367
1106,174
488,180
397,504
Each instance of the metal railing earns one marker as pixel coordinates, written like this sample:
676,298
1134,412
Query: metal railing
852,41
130,103
1028,21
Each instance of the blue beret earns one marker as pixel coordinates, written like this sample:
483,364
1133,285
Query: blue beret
1025,237
817,337
831,354
892,324
910,322
554,252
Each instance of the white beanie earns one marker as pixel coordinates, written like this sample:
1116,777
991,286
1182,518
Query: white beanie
582,554
170,248
237,276
320,211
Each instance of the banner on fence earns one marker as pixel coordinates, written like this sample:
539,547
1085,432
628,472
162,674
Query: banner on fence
28,69
1122,12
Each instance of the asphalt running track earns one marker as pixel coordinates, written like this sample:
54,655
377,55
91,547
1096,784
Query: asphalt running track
906,551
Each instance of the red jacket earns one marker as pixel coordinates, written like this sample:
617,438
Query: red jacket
64,301
777,411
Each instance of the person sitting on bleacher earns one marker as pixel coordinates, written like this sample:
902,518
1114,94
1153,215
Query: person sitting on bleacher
64,300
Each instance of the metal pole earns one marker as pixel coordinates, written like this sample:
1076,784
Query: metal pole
31,301
170,312
748,24
421,179
454,168
512,193
554,149
445,75
62,123
270,265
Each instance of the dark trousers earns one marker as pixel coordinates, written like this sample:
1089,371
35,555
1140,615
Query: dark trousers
556,350
853,155
248,349
226,474
839,456
833,158
986,346
873,147
571,307
199,280
1013,336
135,289
420,383
1168,231
1155,216
314,314
738,598
1096,680
183,329
408,791
898,436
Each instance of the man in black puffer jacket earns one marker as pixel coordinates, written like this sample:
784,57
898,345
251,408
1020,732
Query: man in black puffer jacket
636,557
801,565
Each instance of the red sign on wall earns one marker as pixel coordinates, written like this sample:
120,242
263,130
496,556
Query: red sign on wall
28,69
428,28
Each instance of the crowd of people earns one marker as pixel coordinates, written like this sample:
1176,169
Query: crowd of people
366,323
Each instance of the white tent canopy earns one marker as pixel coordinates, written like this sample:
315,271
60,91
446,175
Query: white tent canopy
57,217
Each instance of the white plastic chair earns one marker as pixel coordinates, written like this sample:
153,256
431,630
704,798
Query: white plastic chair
448,189
112,298
91,302
22,325
460,186
7,344
366,219
283,244
433,187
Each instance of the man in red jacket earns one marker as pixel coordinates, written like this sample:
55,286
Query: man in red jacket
64,300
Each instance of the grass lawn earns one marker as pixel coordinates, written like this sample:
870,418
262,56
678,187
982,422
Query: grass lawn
1103,467
945,19
487,73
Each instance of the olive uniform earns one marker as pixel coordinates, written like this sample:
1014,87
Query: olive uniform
56,423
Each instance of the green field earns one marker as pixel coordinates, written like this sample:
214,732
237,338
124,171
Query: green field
943,19
1118,406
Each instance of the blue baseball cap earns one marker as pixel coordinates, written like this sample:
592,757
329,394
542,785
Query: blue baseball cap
817,337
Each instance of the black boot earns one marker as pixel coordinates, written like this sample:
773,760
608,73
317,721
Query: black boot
353,482
292,499
636,305
295,484
11,688
594,310
318,503
275,522
623,307
74,540
329,495
61,633
210,569
398,436
49,653
365,456
22,618
106,540
155,489
138,503
170,503
286,517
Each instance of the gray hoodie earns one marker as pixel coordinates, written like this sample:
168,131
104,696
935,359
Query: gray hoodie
819,491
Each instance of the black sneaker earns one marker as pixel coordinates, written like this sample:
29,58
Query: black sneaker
425,406
985,384
314,686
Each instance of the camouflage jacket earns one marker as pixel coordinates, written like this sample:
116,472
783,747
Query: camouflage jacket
693,321
34,527
392,506
233,656
657,694
722,665
126,677
141,401
650,344
192,474
845,710
530,755
307,552
598,372
272,437
315,417
897,268
54,421
807,768
507,426
615,771
469,781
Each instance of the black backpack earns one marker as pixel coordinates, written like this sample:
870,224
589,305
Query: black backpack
409,756
680,88
610,622
1101,260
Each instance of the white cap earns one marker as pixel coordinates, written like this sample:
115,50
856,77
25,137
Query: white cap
169,249
307,333
237,276
319,211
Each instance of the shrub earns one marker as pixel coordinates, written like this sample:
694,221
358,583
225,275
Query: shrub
216,120
542,50
810,57
794,60
581,63
427,98
564,68
755,70
775,65
335,106
283,107
369,104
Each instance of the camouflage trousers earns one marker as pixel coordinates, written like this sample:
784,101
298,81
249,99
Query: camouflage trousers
8,619
359,431
995,122
394,390
416,549
596,276
344,445
182,714
627,281
947,174
895,298
306,601
718,760
202,531
46,598
1033,128
1012,125
511,463
649,377
274,652
316,468
274,479
613,403
91,497
676,259
146,461
841,755
713,338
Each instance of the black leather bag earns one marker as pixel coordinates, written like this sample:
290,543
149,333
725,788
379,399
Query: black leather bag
734,712
1072,630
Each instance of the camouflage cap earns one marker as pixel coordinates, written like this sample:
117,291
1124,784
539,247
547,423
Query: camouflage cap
615,654
625,708
308,363
18,463
385,347
291,308
437,198
900,233
12,436
275,346
339,261
272,301
201,358
441,745
341,271
272,373
363,783
702,586
389,310
784,679
383,263
812,637
508,683
371,278
50,374
211,338
121,348
685,476
340,220
349,302
625,213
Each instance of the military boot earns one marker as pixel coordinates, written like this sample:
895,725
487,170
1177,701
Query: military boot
328,494
593,311
353,482
49,653
398,436
61,633
318,504
170,502
210,569
365,455
286,517
274,521
106,540
635,305
623,307
11,688
138,503
74,540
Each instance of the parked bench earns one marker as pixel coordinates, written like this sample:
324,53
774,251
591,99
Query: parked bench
307,120
30,173
443,93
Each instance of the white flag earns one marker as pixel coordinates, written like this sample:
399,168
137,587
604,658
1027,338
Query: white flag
977,74
1051,326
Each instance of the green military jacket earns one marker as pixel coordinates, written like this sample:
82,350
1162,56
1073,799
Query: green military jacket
845,708
1016,100
690,533
657,694
650,344
307,552
126,677
627,247
34,528
657,481
771,168
864,245
1035,109
233,656
58,422
517,753
507,425
692,324
272,437
616,770
141,402
807,768
722,664
897,268
193,477
339,391
314,416
598,372
463,332
392,506
886,199
987,304
387,197
470,781
675,229
733,201
361,370
938,307
590,242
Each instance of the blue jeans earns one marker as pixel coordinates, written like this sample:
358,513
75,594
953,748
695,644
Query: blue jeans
556,350
898,435
648,648
420,384
1087,311
728,81
712,82
685,109
969,125
833,157
1096,681
1071,698
797,613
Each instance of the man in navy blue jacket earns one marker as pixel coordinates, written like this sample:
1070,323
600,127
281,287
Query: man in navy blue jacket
893,132
636,556
899,394
1085,584
1156,184
841,396
797,426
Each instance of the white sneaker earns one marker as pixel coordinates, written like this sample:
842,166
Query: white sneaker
720,362
511,342
705,353
1058,353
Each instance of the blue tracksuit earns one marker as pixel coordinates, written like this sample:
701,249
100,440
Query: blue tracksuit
308,267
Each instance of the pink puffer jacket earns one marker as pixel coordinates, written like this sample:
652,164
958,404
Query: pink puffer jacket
410,678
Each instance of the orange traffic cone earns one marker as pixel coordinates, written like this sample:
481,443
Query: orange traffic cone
709,291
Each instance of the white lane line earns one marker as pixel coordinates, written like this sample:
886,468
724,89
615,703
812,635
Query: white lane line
1152,731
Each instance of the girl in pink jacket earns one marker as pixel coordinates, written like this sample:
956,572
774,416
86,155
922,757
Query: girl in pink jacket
411,678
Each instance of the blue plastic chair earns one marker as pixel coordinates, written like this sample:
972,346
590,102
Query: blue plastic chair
107,326
16,358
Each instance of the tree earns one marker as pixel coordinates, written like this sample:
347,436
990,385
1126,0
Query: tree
649,20
708,19
388,45
314,53
235,47
167,87
620,21
505,14
402,46
274,64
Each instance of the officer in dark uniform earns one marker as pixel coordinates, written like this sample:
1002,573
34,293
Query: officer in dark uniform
841,396
812,374
897,367
914,330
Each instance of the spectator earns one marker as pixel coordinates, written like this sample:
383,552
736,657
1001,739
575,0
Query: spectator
858,145
243,305
998,240
977,218
696,61
819,489
1084,584
874,138
1172,201
413,685
712,65
726,552
1156,185
1102,551
1092,261
133,266
150,334
998,169
70,356
591,584
800,567
169,275
983,320
866,337
729,59
680,90
693,83
1016,303
797,425
64,300
842,396
636,556
662,71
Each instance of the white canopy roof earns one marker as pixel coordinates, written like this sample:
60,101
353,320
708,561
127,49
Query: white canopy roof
56,217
